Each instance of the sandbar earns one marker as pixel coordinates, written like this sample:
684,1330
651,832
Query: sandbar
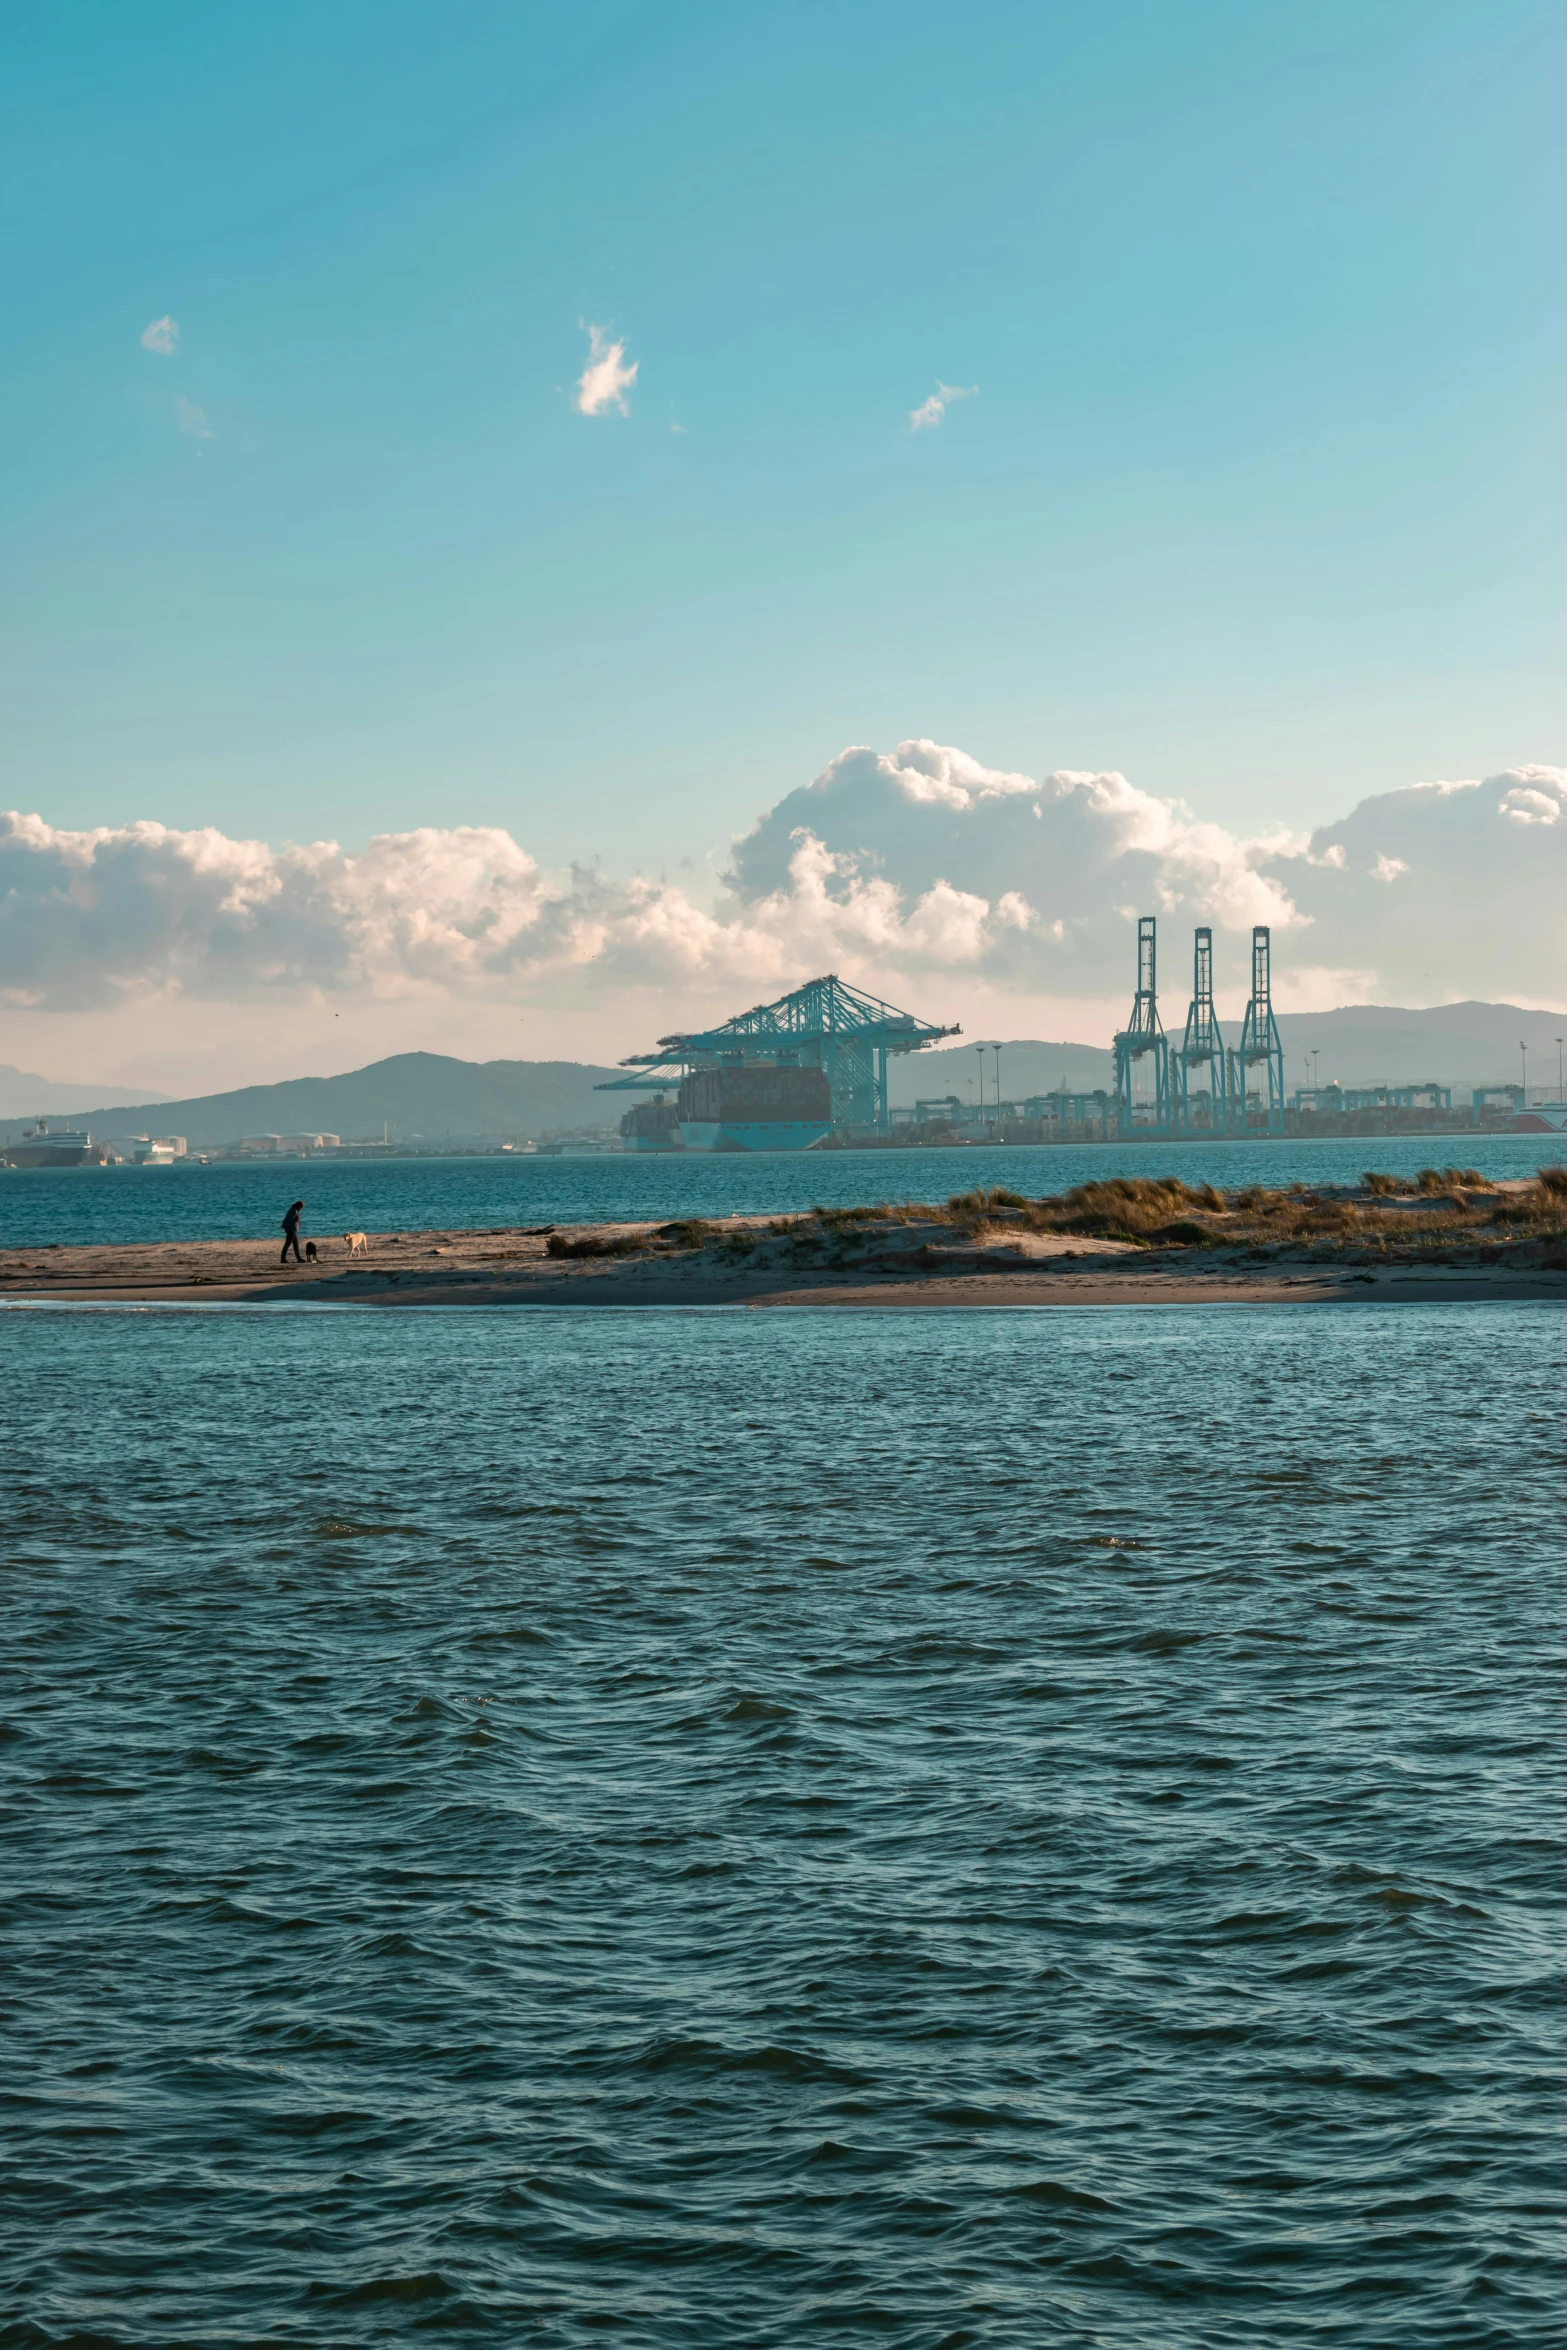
744,1261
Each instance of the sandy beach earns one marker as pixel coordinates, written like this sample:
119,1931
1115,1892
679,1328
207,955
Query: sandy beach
747,1262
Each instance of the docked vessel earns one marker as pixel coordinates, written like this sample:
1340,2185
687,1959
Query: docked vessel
754,1106
808,1069
44,1145
1541,1118
652,1126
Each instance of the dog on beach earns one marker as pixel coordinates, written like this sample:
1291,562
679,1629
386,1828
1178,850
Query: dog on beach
310,1252
358,1244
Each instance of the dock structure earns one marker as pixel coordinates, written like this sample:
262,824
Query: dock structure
1200,1101
1070,1117
1261,1049
1335,1100
823,1025
1143,1038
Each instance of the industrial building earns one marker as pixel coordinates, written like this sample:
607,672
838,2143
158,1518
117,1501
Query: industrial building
791,1075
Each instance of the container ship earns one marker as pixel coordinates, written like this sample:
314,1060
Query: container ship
753,1106
651,1126
44,1145
808,1069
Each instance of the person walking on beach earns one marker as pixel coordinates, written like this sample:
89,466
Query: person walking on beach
291,1233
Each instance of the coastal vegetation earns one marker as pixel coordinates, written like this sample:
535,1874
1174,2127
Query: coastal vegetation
1451,1212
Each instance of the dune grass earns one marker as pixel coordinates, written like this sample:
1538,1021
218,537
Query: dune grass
1442,1211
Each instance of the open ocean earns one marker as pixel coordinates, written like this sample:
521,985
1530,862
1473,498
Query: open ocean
721,1829
74,1205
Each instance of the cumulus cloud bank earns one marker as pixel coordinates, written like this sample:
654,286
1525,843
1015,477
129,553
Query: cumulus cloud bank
914,869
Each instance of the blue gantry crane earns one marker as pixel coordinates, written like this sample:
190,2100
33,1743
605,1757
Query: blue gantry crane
1143,1038
1259,1111
823,1025
1199,1091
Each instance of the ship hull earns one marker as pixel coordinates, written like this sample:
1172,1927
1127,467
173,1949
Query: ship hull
761,1134
43,1154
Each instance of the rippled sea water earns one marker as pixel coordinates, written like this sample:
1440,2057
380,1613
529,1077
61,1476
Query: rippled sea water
750,1829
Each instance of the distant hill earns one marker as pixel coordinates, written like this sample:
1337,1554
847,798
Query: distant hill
417,1096
22,1095
1456,1044
1027,1066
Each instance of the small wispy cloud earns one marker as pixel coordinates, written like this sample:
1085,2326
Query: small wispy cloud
930,412
162,336
191,419
605,381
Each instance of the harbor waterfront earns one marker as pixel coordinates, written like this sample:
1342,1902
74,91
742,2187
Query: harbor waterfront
741,1830
105,1206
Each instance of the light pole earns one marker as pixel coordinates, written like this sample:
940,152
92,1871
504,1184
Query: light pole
996,1049
979,1048
1558,1068
1523,1051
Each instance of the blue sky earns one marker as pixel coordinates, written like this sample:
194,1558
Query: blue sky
1260,497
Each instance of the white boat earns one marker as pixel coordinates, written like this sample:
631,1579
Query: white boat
44,1145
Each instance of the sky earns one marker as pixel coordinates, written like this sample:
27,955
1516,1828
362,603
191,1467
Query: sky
555,439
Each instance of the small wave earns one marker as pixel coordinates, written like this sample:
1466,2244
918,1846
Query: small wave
1058,2193
712,2056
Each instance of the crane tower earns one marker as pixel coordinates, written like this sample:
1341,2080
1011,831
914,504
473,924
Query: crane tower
1259,1110
1143,1038
1200,1092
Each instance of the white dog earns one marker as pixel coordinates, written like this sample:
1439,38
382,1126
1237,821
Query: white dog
358,1244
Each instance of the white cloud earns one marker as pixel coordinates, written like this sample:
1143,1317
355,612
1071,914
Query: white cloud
1526,805
192,420
930,412
162,336
1075,848
605,381
959,889
1388,868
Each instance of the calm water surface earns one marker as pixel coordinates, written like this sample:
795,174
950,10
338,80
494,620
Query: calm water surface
71,1205
743,1829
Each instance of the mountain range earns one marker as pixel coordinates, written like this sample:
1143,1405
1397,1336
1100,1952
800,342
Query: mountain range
422,1097
26,1095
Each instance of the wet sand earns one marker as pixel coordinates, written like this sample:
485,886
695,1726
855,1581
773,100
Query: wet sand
743,1264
